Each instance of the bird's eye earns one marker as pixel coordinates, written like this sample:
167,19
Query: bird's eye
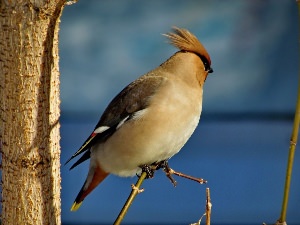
206,65
208,68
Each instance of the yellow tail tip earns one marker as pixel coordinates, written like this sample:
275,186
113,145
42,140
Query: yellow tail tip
76,206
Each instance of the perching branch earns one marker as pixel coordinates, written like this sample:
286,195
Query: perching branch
134,192
150,169
292,148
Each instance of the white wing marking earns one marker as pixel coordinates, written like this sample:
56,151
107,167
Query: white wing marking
100,129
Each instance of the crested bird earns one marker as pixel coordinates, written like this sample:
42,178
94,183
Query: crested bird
151,119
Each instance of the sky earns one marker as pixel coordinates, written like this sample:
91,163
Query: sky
241,143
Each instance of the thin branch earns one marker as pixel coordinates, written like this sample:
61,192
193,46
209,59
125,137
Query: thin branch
199,222
198,180
135,190
208,206
169,171
292,149
207,210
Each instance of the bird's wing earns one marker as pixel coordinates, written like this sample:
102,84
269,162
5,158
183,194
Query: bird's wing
130,100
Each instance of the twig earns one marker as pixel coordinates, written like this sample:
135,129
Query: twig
169,171
208,206
199,222
134,192
290,162
292,149
136,188
207,210
199,180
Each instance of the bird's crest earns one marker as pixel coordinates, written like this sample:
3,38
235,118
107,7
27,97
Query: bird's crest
186,41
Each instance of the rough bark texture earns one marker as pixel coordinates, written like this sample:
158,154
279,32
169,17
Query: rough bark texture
29,111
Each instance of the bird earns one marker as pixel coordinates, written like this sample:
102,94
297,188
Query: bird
151,119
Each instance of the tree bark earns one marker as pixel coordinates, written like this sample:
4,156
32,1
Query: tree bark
29,111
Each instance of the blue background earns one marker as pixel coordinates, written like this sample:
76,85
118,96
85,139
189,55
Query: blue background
241,144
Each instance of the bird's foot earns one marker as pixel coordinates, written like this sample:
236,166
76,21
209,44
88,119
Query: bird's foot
169,171
161,165
165,166
149,169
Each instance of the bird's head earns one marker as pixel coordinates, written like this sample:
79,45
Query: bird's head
186,41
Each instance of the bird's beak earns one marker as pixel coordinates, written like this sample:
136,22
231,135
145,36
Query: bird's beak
210,70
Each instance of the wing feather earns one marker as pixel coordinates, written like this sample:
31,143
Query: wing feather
131,99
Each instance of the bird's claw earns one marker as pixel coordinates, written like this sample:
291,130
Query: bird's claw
149,170
173,181
165,166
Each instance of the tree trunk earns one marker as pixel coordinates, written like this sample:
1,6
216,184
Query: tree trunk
29,111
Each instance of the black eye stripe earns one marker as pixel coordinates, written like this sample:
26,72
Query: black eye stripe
206,63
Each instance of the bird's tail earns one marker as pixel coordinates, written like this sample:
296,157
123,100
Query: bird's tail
97,177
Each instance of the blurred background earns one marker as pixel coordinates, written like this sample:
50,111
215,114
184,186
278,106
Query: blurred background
241,144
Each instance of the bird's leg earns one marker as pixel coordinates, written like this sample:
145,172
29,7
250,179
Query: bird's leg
169,171
165,166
